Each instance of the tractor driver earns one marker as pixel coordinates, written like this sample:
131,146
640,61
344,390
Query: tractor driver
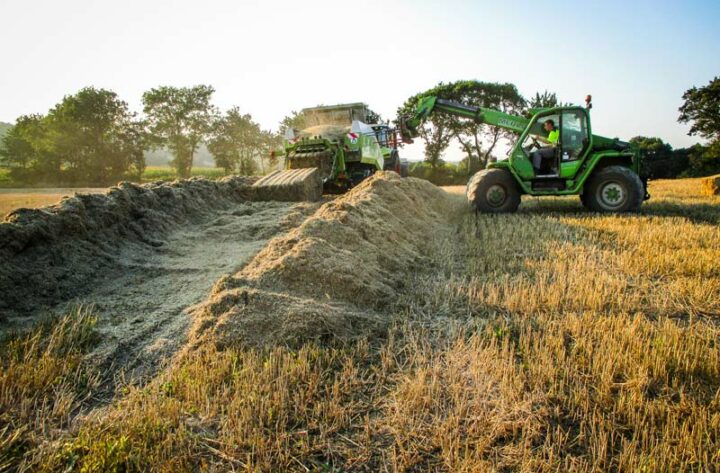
546,151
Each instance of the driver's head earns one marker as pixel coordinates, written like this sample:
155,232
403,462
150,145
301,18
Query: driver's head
549,125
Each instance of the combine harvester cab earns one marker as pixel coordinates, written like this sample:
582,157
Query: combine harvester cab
334,152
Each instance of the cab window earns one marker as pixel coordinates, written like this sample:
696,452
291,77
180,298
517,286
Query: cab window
573,134
538,129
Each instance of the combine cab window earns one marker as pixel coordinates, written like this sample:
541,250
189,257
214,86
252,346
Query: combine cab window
573,134
382,136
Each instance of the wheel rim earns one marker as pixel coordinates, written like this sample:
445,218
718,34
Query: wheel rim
496,195
612,195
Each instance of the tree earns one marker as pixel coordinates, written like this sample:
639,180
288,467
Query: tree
89,137
25,149
704,160
180,119
658,157
237,143
435,131
544,100
295,121
269,143
4,128
96,137
478,141
701,108
373,117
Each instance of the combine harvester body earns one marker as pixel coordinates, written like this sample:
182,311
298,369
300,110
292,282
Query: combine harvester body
334,152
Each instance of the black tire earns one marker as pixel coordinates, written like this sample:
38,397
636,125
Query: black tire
493,191
584,200
614,189
393,162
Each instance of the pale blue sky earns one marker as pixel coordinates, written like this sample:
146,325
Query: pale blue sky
272,56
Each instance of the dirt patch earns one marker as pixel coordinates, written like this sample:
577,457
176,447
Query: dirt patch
711,185
333,276
142,256
144,310
51,254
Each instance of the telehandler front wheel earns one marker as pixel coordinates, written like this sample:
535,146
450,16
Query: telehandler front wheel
585,201
614,189
493,191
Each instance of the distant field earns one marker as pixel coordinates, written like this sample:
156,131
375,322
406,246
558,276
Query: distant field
13,196
164,173
152,173
11,199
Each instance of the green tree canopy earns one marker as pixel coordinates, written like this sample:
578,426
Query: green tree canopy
238,144
704,160
96,136
478,141
659,157
544,100
180,119
4,128
296,120
701,108
89,137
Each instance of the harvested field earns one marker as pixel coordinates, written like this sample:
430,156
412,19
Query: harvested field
393,330
140,256
11,199
711,185
330,277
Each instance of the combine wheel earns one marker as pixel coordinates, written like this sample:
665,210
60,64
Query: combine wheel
614,189
493,191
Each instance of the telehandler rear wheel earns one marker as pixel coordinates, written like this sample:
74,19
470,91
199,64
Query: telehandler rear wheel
614,189
493,191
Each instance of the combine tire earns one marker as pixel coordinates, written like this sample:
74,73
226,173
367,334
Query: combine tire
493,191
614,189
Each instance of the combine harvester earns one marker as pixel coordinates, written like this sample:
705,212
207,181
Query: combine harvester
604,172
336,151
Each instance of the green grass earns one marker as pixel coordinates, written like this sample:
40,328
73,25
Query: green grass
5,180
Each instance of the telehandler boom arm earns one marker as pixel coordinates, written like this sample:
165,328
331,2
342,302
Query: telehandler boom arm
431,104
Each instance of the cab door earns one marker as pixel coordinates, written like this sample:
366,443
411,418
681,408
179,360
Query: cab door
523,152
574,141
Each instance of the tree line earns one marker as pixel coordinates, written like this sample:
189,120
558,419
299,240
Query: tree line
92,137
480,142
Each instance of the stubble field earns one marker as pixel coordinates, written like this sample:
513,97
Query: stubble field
549,340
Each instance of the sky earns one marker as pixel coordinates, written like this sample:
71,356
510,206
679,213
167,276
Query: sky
273,56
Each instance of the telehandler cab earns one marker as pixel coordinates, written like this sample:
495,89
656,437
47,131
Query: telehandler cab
604,172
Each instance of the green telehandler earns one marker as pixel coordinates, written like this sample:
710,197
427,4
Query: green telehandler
604,172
